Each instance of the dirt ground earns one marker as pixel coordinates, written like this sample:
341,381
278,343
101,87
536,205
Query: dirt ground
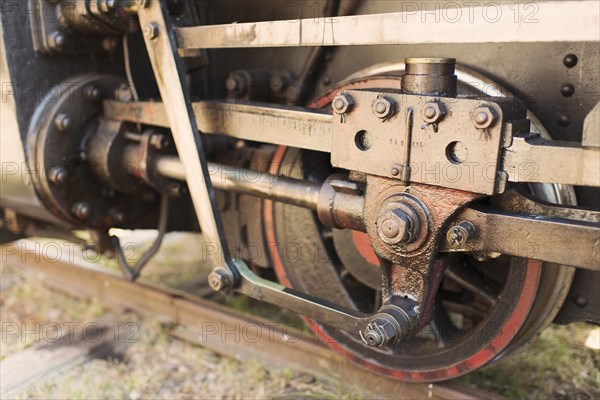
152,365
555,365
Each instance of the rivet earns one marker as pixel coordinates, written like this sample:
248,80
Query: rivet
570,60
564,120
567,90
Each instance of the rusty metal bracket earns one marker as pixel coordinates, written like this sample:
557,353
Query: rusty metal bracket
74,27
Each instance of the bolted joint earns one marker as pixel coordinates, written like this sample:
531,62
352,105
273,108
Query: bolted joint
107,6
57,176
380,333
62,122
396,227
459,235
389,326
82,210
151,31
159,141
342,103
92,93
220,279
383,107
57,40
483,117
433,112
238,83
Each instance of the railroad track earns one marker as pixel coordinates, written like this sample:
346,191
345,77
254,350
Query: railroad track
270,343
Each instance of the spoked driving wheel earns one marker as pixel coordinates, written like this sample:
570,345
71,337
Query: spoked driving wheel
486,305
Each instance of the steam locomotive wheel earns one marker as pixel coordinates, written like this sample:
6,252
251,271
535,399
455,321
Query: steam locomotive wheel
485,307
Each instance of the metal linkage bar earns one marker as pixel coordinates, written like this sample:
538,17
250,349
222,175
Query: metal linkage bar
288,126
528,159
349,320
160,40
557,240
538,160
410,27
519,201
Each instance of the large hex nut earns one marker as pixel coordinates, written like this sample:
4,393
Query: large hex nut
433,112
395,227
342,103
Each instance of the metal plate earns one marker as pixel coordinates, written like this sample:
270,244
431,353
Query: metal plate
431,157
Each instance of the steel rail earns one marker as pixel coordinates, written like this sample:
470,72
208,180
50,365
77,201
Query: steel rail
475,25
222,329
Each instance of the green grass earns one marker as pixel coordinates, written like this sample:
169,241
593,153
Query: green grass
554,365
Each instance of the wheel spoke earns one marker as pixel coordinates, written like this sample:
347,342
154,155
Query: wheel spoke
474,281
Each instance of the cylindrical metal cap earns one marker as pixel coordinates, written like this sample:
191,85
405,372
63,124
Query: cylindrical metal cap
430,76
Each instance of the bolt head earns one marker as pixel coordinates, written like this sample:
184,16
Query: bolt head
56,40
117,216
483,118
57,176
459,235
395,227
231,84
220,279
159,142
151,31
433,112
92,93
380,333
383,107
342,104
107,6
82,210
391,228
62,122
